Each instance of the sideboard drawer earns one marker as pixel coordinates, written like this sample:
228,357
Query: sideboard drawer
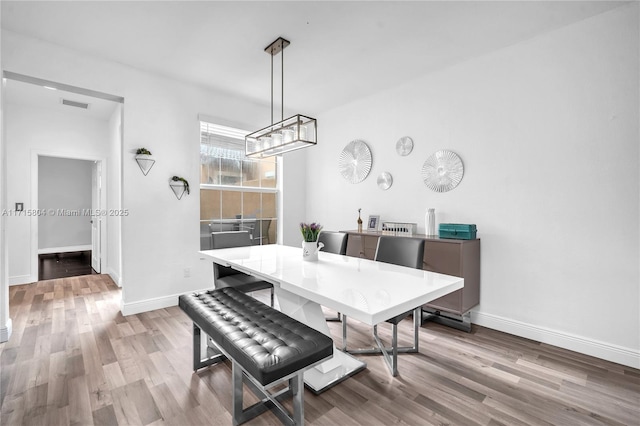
449,303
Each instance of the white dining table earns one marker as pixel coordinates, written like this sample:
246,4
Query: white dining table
365,290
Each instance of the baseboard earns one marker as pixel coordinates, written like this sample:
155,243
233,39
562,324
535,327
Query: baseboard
5,332
152,304
22,279
115,277
602,350
67,249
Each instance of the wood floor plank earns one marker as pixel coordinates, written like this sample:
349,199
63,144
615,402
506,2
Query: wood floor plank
13,410
99,392
79,402
113,375
73,359
105,350
142,398
35,404
57,416
105,416
124,407
58,390
38,374
165,401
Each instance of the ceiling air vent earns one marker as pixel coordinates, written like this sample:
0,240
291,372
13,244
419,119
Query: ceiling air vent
75,104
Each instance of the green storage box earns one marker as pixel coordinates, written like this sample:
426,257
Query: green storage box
458,231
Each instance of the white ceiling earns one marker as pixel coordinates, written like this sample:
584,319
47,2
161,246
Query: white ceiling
339,50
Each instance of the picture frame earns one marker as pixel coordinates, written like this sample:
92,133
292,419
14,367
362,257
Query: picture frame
372,223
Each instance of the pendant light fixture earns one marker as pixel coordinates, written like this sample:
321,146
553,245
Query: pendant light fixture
298,131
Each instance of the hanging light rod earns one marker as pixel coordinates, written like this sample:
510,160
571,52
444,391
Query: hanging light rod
298,131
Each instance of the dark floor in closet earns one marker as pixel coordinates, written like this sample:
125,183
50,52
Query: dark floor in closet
63,265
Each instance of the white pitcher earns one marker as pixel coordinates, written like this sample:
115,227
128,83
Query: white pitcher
310,250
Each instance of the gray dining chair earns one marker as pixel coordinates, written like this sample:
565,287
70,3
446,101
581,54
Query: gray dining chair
205,236
224,276
403,251
249,226
262,234
334,242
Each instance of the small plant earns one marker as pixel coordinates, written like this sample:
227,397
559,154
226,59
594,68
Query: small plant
143,151
310,231
184,182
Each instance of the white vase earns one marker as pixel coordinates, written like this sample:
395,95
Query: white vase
430,223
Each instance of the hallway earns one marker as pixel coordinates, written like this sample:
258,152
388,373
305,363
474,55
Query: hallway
64,265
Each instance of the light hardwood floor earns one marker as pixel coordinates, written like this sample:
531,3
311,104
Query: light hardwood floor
73,359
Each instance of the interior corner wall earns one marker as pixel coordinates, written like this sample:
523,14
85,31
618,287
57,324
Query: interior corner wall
58,134
293,206
548,133
114,197
160,234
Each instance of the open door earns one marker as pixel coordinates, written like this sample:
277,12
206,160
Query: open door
96,217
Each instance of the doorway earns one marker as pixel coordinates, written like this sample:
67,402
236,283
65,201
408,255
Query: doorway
70,228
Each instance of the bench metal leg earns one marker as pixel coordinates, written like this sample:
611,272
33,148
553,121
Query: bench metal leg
272,296
268,401
390,354
198,361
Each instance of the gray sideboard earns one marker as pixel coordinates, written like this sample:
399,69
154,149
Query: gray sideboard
460,258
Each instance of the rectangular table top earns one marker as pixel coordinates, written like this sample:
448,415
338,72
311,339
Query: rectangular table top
363,289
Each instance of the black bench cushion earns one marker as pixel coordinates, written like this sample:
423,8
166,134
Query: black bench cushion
268,344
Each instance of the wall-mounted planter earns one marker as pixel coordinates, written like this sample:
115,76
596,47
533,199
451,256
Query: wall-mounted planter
145,160
179,186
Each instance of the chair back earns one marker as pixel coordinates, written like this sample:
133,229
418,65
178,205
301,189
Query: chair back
205,236
263,232
228,239
403,251
334,242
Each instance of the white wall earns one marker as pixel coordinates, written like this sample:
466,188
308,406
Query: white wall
160,236
40,131
64,185
548,133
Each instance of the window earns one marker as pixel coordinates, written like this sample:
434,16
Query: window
236,192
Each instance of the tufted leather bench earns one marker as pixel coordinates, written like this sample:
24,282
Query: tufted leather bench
266,348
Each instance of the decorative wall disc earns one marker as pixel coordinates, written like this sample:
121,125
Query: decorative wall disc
385,180
442,171
404,146
355,161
